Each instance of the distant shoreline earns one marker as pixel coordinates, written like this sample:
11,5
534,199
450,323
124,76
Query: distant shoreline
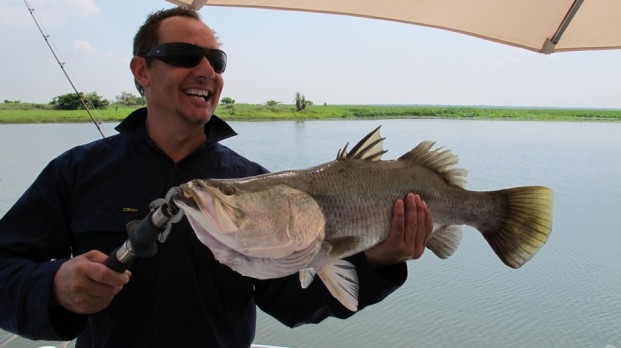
43,113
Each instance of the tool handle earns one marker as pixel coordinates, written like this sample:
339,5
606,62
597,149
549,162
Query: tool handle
114,263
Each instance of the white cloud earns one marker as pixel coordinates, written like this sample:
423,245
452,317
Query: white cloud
86,47
83,46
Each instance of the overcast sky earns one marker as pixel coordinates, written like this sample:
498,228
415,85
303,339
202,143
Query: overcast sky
273,54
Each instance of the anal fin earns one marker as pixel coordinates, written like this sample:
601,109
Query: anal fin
341,279
445,240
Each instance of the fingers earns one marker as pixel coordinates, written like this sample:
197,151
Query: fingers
99,273
415,239
410,229
419,225
84,285
105,282
397,224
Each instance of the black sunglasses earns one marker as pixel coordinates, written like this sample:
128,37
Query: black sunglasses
186,55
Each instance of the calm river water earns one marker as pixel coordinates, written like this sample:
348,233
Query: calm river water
569,295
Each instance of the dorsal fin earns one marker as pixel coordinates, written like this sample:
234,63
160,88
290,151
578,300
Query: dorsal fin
370,148
440,160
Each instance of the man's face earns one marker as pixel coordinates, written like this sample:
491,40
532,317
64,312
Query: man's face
189,93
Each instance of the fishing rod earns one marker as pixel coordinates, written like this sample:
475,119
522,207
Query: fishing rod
97,121
143,234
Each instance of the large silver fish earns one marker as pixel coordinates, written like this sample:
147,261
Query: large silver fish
307,221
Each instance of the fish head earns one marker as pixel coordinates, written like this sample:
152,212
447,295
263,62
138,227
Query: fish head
213,201
268,221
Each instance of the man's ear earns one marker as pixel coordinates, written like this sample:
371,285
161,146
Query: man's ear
138,66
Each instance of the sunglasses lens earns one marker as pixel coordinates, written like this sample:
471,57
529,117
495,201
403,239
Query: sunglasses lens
184,57
217,59
188,56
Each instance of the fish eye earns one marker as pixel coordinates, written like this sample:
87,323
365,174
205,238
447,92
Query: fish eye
227,190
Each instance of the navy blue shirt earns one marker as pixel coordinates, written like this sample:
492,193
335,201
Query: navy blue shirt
182,296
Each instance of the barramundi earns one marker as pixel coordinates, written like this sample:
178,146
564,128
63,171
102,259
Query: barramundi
309,220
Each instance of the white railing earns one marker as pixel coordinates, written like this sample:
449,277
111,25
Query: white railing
4,343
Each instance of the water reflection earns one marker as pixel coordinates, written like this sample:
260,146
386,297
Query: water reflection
568,295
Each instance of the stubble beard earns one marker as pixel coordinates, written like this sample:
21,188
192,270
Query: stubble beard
193,120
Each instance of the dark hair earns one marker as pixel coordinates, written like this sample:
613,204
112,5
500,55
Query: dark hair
147,36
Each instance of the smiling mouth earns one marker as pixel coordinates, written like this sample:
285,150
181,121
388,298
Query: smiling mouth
197,94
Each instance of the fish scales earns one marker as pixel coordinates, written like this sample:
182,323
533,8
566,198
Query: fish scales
307,221
356,196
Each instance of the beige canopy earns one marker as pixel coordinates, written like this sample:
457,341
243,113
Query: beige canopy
539,25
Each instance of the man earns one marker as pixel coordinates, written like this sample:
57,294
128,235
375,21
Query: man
53,241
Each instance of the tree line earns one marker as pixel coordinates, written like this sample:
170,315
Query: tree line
300,103
78,101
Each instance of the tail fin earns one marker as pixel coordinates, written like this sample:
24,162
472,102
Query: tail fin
526,226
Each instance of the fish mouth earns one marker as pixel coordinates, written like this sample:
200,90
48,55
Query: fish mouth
186,197
207,200
190,196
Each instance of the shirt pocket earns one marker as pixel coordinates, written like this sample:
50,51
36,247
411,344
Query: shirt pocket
103,229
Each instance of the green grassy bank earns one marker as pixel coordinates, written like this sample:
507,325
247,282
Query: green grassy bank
41,113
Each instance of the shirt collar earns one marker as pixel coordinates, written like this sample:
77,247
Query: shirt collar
134,125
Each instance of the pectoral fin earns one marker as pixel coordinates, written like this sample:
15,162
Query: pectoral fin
306,277
343,246
341,279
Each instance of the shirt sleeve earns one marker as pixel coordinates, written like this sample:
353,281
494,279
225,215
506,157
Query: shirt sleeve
31,251
285,300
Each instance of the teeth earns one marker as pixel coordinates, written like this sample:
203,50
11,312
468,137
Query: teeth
198,93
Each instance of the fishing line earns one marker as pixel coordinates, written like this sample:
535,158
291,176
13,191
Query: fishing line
86,103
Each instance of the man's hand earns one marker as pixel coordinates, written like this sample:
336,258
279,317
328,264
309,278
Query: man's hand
410,229
85,285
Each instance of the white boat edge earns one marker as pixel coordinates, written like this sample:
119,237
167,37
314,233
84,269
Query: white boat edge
4,343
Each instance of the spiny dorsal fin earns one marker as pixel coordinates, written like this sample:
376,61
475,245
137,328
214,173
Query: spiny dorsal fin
370,148
439,160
